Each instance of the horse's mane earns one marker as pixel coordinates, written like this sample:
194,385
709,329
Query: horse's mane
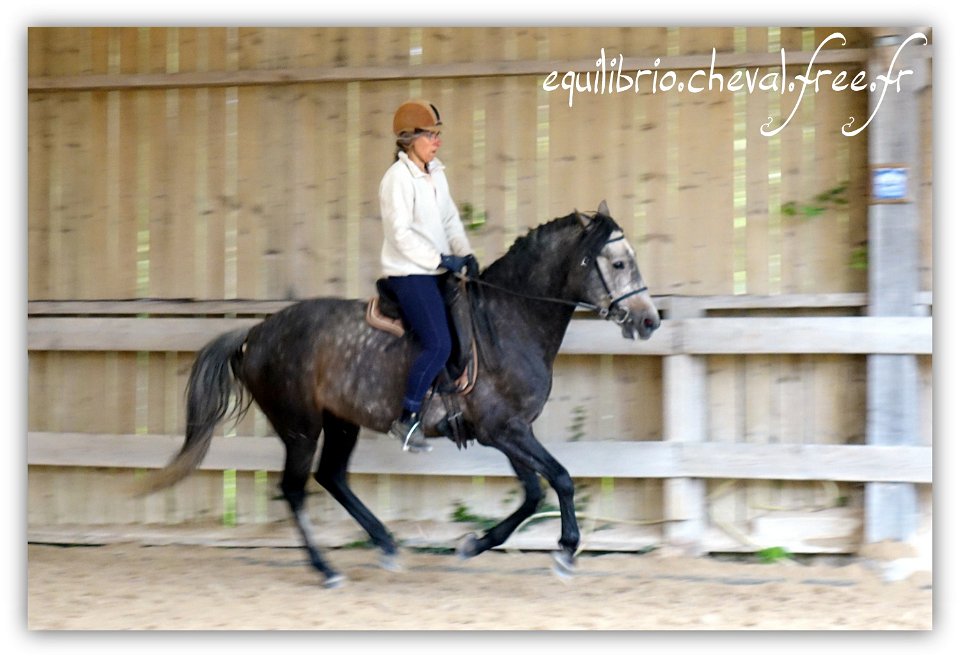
514,266
556,247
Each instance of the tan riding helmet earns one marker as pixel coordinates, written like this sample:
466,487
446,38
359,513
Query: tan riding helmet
416,115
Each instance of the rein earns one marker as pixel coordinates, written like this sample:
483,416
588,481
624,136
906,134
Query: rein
602,311
525,296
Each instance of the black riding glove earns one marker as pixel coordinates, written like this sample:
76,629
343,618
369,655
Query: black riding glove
473,267
455,263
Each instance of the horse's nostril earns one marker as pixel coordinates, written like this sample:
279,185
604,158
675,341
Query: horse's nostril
651,323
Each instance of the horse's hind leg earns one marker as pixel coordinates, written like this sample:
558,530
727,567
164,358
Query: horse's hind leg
301,447
471,545
339,440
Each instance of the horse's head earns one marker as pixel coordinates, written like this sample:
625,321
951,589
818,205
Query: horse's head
614,284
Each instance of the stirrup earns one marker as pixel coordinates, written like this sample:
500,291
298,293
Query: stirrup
412,438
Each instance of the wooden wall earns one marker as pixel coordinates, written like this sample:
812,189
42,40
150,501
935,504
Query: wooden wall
243,163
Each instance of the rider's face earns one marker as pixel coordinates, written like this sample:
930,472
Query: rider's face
425,147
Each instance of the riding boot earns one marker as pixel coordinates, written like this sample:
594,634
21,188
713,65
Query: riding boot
407,429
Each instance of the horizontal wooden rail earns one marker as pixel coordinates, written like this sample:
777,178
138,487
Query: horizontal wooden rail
193,307
289,76
155,306
584,459
819,335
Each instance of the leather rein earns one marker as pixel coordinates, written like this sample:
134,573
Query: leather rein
603,311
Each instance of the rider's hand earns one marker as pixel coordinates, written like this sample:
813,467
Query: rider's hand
473,267
452,262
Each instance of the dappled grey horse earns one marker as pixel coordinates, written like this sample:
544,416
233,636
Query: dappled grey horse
317,366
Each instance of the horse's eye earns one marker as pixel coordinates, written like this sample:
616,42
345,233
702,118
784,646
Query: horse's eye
618,265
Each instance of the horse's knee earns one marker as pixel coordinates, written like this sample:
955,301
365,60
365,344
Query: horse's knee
563,485
534,494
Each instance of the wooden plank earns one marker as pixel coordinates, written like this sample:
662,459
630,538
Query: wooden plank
756,154
808,532
791,414
370,148
93,231
925,178
216,161
704,231
790,182
587,459
126,334
830,252
685,422
471,69
158,307
467,69
787,301
200,307
244,231
186,135
126,188
842,335
797,335
821,335
303,273
809,462
110,252
42,154
894,278
332,531
759,421
724,405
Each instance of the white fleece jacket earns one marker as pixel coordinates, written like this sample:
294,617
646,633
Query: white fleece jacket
420,220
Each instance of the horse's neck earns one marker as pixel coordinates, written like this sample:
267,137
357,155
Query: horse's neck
524,305
516,330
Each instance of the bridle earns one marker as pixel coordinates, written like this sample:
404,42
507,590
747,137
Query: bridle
602,310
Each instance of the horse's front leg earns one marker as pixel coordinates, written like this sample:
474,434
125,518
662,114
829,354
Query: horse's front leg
471,545
522,447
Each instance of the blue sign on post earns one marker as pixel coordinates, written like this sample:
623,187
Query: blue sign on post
889,184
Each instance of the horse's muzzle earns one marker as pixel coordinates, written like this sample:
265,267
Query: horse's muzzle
641,325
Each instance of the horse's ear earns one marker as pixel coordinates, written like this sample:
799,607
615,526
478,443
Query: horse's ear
603,210
585,220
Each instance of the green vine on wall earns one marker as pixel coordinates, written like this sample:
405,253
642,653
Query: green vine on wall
472,218
834,198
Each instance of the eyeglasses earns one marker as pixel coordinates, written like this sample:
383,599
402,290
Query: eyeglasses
430,135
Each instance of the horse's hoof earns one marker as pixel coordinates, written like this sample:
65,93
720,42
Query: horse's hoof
391,563
335,581
467,547
563,564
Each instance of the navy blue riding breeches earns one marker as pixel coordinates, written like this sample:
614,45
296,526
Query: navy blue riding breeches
424,314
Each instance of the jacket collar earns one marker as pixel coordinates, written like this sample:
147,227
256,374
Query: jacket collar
434,166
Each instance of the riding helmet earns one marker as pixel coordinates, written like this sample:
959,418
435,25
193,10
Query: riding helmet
416,115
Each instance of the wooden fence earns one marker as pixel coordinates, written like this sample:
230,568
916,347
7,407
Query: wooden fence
182,181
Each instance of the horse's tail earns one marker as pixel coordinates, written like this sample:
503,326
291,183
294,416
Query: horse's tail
214,393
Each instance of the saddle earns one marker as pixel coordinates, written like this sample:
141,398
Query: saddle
383,313
460,374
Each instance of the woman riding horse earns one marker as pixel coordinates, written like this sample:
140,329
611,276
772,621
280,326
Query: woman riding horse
423,238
